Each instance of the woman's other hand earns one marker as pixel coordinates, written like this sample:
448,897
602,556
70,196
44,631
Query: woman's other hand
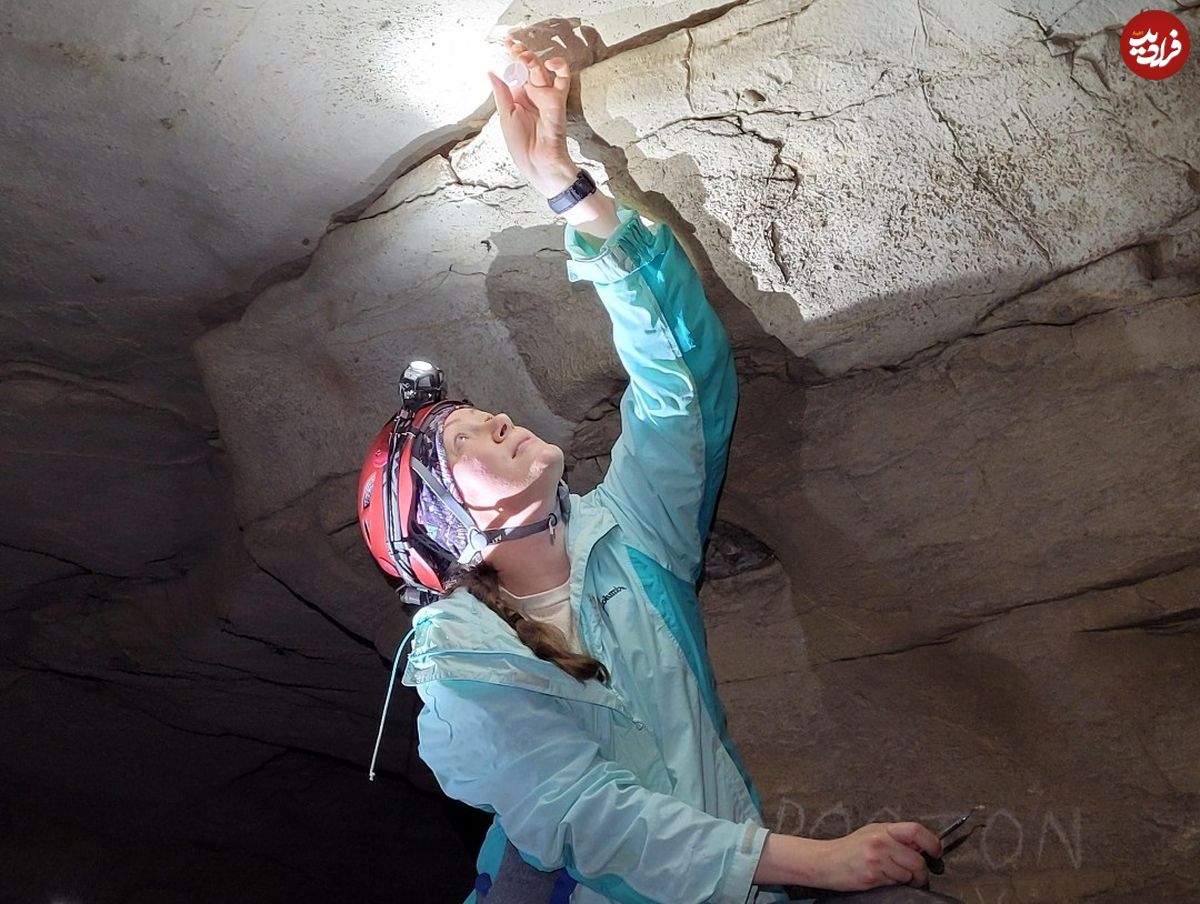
879,853
533,118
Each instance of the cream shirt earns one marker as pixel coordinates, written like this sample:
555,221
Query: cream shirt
553,606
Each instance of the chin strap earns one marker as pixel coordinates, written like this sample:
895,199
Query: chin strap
478,540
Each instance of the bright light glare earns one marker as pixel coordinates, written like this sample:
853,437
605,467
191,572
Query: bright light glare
448,85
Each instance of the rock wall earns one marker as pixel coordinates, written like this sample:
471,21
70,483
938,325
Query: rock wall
957,248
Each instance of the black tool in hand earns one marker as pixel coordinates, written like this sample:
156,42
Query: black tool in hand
935,864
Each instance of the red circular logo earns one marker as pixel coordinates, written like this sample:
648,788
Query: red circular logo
1155,44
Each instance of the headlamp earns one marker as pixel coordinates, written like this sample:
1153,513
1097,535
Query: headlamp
421,384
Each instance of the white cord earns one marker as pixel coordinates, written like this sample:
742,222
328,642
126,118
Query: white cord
386,702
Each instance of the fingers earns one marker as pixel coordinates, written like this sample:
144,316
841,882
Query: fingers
504,98
562,73
539,77
553,73
518,51
897,874
909,866
915,835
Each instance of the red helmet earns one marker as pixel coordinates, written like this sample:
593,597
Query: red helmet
389,487
388,491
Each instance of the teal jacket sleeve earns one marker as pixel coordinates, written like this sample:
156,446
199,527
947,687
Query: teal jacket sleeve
523,756
678,411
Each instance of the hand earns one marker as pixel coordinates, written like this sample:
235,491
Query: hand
879,853
533,118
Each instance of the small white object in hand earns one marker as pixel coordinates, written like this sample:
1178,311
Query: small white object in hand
515,75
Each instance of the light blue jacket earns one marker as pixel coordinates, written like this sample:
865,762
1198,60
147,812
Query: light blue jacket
635,789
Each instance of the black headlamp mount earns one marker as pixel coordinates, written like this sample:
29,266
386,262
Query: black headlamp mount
421,384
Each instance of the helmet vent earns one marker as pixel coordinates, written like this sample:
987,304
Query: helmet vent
367,491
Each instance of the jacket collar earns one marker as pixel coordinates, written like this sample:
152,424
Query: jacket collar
459,637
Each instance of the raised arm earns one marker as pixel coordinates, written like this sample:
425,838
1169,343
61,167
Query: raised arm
678,412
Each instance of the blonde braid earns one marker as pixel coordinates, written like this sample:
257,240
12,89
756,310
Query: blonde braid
545,640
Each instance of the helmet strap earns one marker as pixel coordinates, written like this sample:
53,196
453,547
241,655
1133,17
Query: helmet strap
478,540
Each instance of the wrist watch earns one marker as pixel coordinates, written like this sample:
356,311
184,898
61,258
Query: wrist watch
574,193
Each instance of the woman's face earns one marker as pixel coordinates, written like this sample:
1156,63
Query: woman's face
499,466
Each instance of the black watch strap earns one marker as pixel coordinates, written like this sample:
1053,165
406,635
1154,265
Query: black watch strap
583,186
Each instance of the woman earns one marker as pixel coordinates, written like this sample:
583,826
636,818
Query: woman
563,669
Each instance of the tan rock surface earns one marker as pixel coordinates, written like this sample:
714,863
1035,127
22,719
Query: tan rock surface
957,248
887,199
